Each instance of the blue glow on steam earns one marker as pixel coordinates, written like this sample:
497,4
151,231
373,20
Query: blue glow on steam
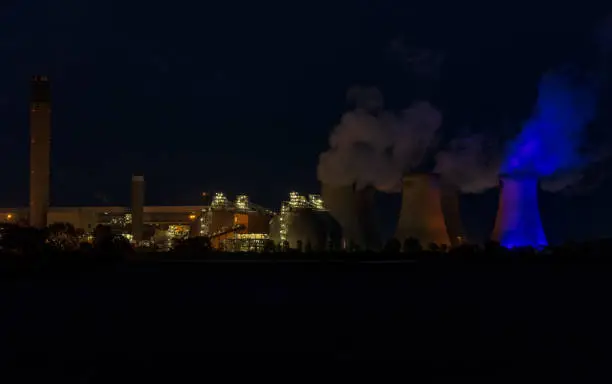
551,139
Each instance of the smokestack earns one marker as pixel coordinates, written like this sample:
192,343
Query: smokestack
421,216
40,150
341,203
518,221
138,192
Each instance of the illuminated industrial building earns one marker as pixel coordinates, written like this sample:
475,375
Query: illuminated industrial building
173,219
305,223
40,150
239,226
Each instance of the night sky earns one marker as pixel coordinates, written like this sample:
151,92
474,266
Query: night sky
241,96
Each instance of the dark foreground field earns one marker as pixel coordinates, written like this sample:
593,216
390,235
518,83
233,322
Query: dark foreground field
103,317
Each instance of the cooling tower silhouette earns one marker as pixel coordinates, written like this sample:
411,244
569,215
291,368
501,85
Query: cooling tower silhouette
452,214
421,215
368,221
354,211
518,222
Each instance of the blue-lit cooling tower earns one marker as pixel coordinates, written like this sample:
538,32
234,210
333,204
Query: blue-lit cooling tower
518,221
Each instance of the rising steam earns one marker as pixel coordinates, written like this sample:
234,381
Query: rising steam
549,147
471,163
551,143
375,147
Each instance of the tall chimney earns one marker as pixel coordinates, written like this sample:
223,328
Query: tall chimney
40,150
518,222
421,215
138,192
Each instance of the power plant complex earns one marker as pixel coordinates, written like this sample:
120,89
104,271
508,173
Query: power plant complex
341,217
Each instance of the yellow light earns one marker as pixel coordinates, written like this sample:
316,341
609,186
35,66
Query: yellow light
9,216
192,217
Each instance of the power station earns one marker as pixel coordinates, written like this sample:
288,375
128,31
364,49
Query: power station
342,217
40,150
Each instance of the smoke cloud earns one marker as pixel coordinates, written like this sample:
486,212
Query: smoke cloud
550,146
374,147
551,143
471,163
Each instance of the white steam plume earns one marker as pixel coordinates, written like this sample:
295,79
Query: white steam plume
374,147
471,163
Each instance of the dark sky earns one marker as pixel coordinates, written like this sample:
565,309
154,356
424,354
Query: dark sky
240,96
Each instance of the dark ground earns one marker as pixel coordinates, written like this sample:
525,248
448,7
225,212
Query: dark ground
148,314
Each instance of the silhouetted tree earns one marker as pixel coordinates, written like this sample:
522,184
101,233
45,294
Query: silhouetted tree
412,245
62,236
492,246
198,245
22,240
393,245
269,246
308,247
102,234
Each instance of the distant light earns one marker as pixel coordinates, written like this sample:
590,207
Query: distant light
192,217
9,216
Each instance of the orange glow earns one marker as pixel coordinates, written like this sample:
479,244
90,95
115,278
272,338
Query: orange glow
9,216
192,217
241,218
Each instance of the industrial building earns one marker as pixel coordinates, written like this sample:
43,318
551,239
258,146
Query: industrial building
87,218
237,226
306,224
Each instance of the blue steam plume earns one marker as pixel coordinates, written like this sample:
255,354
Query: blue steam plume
550,143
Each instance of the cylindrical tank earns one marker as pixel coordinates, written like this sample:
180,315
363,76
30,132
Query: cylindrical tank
421,215
315,228
138,196
518,222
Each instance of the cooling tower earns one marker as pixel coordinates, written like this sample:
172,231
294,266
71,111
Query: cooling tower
421,215
341,203
367,219
518,221
138,191
452,214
